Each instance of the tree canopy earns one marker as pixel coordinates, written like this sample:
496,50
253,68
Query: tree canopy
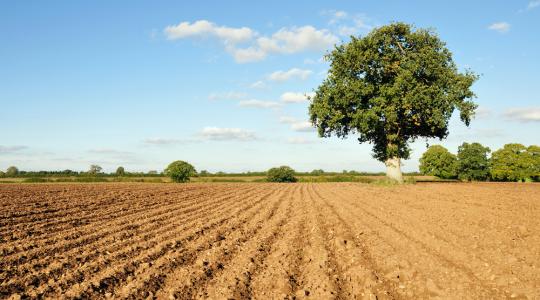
180,171
281,174
473,162
12,171
120,171
515,162
391,87
438,161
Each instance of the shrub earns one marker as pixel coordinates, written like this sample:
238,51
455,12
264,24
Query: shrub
473,163
438,161
180,171
281,174
12,171
120,171
2,174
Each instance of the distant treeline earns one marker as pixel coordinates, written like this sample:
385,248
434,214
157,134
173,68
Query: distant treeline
95,171
473,162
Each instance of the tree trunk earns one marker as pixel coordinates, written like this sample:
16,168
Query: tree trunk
393,169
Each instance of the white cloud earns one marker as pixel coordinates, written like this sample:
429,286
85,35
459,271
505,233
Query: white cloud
287,120
162,141
291,97
11,149
259,104
284,41
258,85
246,55
501,27
299,141
227,134
297,39
482,112
228,35
290,74
304,126
530,114
533,4
227,96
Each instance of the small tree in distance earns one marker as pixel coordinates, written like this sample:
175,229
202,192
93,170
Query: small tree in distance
281,174
2,174
438,161
473,163
180,171
95,169
12,171
120,171
391,87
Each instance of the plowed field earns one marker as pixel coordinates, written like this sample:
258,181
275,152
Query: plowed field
270,241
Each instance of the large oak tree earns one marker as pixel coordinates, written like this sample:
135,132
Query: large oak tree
391,87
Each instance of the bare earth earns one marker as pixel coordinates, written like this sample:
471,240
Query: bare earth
270,241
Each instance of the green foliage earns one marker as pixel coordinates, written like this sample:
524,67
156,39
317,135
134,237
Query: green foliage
533,153
515,162
94,170
317,172
390,87
438,161
120,171
12,171
180,171
2,174
35,180
281,174
473,163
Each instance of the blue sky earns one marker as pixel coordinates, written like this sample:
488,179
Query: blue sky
222,85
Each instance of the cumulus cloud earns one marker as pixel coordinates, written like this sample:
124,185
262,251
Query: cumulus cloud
304,126
227,96
256,47
259,104
11,149
293,73
501,27
258,85
162,141
297,125
227,134
297,39
229,35
291,97
525,115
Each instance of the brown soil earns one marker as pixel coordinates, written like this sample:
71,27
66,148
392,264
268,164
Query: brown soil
270,241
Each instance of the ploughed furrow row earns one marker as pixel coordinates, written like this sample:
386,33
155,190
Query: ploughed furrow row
279,276
36,259
479,253
85,210
236,278
167,249
81,226
149,279
102,252
360,276
447,273
208,260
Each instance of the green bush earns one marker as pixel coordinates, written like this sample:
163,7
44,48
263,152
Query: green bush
438,161
281,174
180,171
473,163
